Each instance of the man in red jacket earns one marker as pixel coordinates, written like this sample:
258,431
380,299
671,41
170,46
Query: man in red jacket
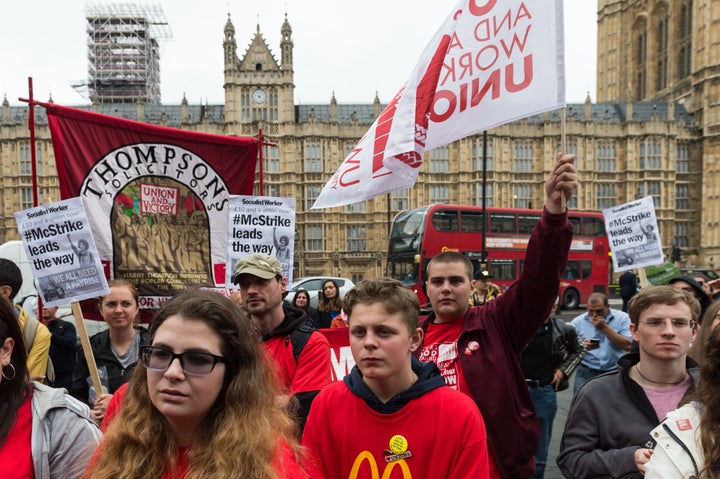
477,349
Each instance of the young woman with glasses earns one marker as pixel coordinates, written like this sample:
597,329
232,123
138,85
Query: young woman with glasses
204,404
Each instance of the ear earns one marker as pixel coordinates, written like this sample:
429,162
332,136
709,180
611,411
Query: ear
416,339
6,351
283,285
633,331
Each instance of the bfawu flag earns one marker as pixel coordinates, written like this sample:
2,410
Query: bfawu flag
488,64
157,198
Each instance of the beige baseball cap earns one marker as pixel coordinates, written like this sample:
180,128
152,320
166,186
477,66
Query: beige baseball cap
260,265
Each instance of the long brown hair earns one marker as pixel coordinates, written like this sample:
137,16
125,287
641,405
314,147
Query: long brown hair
243,429
325,304
708,395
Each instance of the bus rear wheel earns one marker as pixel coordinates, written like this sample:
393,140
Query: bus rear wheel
571,299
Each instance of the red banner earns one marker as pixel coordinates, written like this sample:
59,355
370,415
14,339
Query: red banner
156,197
340,354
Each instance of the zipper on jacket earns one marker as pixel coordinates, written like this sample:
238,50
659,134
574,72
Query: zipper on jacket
682,444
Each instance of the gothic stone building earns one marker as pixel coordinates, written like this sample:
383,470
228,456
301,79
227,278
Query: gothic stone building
645,137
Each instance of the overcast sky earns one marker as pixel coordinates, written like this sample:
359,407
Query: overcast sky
351,48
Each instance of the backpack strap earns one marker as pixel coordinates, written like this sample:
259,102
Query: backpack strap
299,338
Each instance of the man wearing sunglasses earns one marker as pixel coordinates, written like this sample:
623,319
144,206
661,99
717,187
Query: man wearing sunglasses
610,418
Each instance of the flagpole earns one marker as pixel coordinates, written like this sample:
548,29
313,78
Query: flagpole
563,146
33,159
33,155
483,252
260,156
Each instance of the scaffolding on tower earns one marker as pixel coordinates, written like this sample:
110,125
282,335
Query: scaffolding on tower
124,53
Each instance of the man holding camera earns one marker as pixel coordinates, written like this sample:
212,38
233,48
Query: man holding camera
606,334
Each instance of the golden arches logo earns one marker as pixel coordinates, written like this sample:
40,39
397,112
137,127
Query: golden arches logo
374,471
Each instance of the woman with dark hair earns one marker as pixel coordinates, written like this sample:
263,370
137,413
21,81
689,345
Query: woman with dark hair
329,305
687,441
116,350
302,301
204,406
44,432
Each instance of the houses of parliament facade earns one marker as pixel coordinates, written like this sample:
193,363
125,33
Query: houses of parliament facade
654,131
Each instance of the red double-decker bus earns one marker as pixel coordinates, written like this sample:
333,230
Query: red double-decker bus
418,235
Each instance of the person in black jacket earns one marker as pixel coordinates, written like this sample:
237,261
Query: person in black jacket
116,350
62,347
628,287
329,305
548,361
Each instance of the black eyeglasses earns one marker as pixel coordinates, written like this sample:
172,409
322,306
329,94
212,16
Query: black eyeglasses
195,363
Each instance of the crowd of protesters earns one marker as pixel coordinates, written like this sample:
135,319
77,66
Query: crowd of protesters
242,387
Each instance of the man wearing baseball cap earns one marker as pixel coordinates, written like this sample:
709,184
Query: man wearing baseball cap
301,355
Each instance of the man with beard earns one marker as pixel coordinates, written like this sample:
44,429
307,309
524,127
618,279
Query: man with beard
301,355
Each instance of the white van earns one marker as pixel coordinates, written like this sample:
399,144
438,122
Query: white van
27,296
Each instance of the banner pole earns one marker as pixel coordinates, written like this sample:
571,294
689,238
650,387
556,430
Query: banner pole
87,348
262,167
33,164
563,146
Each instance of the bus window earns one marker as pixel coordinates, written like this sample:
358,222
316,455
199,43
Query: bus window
586,269
526,223
503,269
445,220
409,223
572,271
575,220
471,221
405,271
593,227
502,223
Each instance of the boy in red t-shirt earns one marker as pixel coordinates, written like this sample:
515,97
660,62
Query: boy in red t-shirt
392,411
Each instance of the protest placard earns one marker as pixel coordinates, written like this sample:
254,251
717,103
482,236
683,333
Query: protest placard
59,245
261,224
633,235
62,255
661,274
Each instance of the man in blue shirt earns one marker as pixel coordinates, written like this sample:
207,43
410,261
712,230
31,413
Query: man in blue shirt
606,334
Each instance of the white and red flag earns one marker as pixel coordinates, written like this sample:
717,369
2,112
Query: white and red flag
490,63
157,198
